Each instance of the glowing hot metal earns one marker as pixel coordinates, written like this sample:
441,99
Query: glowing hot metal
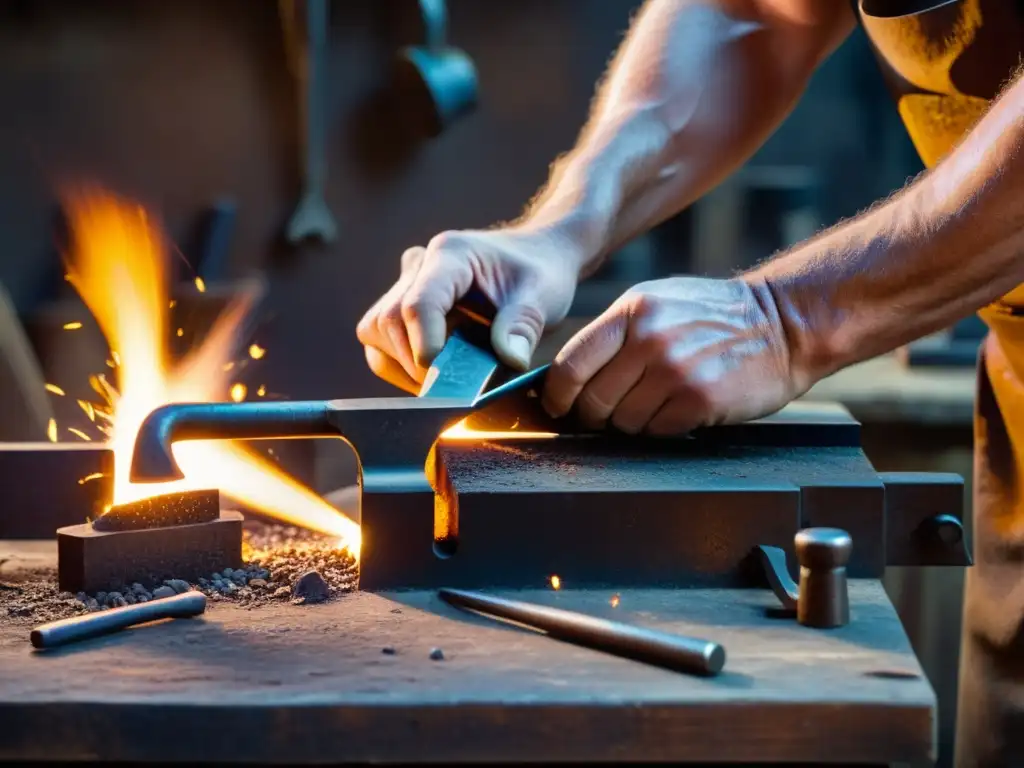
118,266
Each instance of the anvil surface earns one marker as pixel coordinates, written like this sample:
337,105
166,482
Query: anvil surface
309,684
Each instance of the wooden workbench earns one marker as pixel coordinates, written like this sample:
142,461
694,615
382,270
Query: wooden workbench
303,684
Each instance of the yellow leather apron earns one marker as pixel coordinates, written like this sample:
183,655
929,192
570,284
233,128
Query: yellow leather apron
944,63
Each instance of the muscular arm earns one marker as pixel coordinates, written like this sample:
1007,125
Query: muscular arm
695,90
947,245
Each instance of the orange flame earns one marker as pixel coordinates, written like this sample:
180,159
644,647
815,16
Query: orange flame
462,431
118,267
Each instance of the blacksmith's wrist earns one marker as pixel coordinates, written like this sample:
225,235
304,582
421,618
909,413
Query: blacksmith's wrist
798,314
574,235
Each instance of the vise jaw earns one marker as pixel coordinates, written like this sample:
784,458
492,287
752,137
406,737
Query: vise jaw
688,512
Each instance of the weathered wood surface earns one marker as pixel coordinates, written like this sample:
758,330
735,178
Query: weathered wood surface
884,389
300,684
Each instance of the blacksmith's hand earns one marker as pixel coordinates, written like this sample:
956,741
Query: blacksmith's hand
529,275
672,355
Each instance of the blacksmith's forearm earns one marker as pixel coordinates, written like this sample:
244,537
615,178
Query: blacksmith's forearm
696,88
950,243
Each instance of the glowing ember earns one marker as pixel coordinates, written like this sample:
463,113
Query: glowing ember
79,434
556,583
261,391
54,389
615,601
200,285
51,430
256,352
461,432
238,392
72,326
90,411
118,268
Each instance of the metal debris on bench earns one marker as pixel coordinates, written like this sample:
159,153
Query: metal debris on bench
275,557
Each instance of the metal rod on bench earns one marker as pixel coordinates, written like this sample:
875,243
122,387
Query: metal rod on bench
683,654
76,628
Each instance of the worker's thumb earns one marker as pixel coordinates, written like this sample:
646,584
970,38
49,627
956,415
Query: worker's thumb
515,333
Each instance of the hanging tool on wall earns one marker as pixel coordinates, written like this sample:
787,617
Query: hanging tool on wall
306,47
437,79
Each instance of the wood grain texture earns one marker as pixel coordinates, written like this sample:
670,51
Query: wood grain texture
311,684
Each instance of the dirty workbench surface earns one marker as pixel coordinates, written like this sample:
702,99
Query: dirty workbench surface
294,684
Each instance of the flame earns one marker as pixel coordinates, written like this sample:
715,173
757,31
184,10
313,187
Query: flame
118,268
461,431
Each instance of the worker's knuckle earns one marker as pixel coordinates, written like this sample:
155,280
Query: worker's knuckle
529,321
639,304
446,243
390,315
626,422
656,346
593,404
411,258
414,307
366,326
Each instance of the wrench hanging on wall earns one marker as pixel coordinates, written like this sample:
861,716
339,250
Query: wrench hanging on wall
306,46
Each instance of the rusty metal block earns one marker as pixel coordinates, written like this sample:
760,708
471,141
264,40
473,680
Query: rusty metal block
45,486
89,560
184,508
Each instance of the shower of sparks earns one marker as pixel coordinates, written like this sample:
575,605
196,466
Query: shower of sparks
54,389
116,265
89,408
79,434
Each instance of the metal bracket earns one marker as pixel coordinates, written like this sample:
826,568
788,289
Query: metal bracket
773,560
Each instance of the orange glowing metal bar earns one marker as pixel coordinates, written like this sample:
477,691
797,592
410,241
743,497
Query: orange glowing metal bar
461,432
